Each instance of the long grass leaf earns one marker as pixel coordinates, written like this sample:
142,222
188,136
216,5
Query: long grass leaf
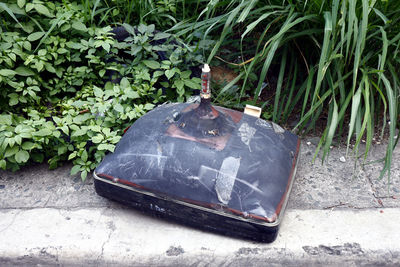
246,10
350,26
392,127
279,86
324,55
9,11
354,110
332,128
225,31
53,25
310,79
286,111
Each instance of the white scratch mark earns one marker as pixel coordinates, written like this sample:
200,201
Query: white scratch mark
255,188
246,133
278,129
158,156
226,178
263,123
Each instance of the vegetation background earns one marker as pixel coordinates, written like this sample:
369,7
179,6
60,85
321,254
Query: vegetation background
69,88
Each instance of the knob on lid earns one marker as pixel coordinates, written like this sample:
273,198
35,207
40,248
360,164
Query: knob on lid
206,68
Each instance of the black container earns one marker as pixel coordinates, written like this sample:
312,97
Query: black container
206,166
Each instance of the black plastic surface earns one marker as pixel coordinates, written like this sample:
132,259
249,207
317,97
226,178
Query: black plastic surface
244,170
187,215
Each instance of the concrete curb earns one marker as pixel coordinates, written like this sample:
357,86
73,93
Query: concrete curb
120,237
337,215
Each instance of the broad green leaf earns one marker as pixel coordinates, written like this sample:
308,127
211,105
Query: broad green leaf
35,36
28,145
170,73
142,28
148,106
3,164
84,156
43,132
97,139
21,3
26,135
22,156
179,84
131,94
152,64
7,72
106,46
43,10
192,84
75,169
13,101
108,147
84,175
65,129
119,108
27,45
29,7
102,72
77,25
98,92
62,51
24,71
10,151
161,35
49,67
5,120
79,132
185,74
158,73
18,139
22,129
72,155
12,56
56,134
124,83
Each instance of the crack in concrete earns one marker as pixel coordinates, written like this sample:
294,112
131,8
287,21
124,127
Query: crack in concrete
47,201
374,193
12,221
347,205
350,206
112,229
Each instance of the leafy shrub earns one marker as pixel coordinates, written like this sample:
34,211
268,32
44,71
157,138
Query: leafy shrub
69,90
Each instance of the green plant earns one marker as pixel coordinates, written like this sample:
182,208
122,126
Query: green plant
70,88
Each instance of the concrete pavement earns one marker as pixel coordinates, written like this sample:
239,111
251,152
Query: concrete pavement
337,215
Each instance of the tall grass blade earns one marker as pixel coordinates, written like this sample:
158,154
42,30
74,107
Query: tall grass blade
279,86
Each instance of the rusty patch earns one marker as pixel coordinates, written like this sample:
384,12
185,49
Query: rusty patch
236,116
217,142
190,107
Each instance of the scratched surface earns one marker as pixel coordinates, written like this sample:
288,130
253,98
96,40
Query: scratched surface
249,175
